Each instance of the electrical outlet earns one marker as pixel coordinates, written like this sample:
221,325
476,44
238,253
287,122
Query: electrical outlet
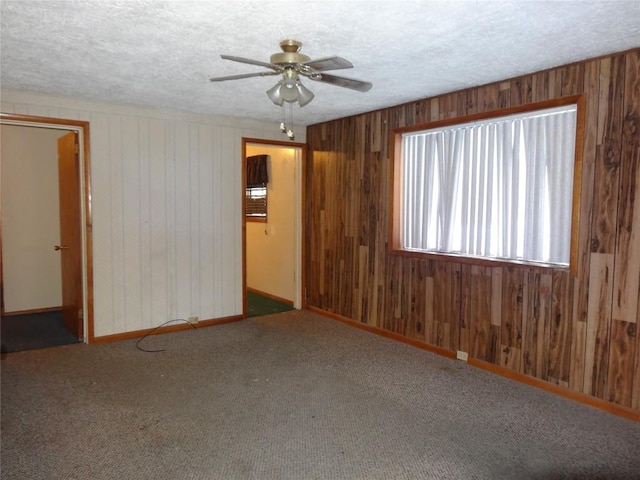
460,355
193,320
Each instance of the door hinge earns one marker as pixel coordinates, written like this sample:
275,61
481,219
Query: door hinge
80,314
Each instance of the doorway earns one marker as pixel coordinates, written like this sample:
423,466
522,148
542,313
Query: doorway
77,144
272,246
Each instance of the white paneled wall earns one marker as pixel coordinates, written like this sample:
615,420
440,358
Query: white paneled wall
166,209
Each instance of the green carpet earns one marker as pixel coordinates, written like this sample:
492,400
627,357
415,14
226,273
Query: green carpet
258,305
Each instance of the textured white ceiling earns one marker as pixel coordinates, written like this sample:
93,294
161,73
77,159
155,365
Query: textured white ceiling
162,53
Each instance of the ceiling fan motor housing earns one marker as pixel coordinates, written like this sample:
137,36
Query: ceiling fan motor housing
290,53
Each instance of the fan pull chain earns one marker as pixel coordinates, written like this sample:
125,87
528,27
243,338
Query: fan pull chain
287,121
290,133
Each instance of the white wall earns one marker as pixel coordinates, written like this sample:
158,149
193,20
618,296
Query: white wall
166,208
271,245
30,218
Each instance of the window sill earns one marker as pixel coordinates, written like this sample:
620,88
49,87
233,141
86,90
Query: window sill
256,219
479,261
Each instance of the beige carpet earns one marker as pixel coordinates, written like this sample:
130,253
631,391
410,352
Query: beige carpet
291,396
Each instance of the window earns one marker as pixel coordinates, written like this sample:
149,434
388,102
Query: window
256,202
498,187
257,178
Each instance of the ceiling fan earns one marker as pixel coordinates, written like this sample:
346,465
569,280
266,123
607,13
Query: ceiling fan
291,65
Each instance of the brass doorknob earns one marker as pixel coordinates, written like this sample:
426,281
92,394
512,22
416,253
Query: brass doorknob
60,247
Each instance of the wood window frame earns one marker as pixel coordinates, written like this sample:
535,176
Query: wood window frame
395,204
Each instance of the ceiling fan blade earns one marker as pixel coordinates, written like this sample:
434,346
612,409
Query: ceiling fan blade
328,63
358,85
252,62
242,75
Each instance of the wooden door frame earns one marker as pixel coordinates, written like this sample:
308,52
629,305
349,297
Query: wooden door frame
82,128
300,232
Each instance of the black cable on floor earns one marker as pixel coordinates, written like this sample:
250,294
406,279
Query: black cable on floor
156,328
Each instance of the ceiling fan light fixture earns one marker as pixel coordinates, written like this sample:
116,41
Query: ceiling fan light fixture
289,90
275,94
304,94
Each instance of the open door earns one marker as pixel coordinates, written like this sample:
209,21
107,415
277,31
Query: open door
70,246
258,238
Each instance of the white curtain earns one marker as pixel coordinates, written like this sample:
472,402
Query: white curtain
498,188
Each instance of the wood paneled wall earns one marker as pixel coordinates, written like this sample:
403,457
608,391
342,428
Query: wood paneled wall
580,331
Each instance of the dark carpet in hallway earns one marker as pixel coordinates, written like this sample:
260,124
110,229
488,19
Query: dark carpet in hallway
34,331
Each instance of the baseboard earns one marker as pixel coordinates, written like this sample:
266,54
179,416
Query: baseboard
272,297
579,397
582,398
167,329
386,333
34,310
